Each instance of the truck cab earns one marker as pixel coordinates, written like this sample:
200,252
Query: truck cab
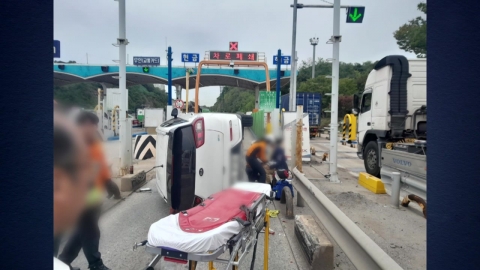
391,109
197,155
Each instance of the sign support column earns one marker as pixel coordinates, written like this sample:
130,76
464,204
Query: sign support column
187,80
279,62
125,142
257,97
336,38
169,101
292,94
294,98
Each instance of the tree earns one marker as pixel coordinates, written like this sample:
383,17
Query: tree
345,105
84,95
234,99
412,36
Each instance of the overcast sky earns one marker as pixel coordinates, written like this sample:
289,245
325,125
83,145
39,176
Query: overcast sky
196,26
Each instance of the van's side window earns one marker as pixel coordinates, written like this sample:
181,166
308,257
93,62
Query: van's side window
366,102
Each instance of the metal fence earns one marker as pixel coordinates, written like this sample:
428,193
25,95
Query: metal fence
258,123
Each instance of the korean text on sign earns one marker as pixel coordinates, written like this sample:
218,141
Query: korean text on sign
138,60
241,56
190,57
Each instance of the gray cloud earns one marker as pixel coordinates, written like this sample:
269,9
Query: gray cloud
91,26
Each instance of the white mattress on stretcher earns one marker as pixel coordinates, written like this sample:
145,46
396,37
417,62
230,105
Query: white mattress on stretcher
167,233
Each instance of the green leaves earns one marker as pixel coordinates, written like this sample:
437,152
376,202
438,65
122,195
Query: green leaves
412,36
233,99
85,95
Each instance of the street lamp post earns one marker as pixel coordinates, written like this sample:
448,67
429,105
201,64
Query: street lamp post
314,42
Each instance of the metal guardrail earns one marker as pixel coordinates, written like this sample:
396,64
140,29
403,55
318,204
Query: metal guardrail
362,251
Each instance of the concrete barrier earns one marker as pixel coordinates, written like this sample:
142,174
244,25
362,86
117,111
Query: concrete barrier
131,182
315,243
371,183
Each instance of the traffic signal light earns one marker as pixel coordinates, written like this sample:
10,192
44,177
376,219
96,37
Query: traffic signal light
355,14
146,69
61,67
105,68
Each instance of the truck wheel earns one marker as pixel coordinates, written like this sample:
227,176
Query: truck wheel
370,159
247,120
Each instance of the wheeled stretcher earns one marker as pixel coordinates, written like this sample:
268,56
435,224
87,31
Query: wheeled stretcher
228,220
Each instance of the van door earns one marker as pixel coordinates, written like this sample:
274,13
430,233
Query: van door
364,122
161,162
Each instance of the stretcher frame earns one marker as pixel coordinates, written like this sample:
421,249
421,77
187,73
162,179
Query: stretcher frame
239,245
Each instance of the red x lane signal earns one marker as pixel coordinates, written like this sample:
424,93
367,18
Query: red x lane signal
233,46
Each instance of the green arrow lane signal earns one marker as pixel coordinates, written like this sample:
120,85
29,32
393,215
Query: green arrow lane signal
146,69
355,14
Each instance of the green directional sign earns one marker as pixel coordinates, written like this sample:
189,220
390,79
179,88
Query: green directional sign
146,69
355,14
267,101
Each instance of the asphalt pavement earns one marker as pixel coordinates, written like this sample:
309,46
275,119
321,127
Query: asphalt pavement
128,222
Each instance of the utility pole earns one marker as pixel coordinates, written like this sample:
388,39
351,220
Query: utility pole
314,42
125,148
335,39
293,90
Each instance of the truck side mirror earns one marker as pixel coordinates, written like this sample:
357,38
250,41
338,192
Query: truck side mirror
174,113
356,104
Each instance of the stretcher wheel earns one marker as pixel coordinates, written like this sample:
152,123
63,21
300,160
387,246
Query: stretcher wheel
192,265
287,199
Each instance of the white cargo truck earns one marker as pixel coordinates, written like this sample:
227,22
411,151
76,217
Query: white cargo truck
153,117
392,122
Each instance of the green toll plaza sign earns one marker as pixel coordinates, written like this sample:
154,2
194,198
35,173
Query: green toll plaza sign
355,14
146,69
268,100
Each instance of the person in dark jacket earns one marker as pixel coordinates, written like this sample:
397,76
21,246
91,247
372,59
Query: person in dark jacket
278,159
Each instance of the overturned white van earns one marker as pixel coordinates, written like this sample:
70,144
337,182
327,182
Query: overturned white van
198,155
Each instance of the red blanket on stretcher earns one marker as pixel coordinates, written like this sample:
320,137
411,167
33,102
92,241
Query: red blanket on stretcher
216,210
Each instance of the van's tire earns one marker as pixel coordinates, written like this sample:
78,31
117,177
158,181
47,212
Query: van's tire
247,120
370,159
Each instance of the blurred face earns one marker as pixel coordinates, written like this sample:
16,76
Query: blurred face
71,188
89,132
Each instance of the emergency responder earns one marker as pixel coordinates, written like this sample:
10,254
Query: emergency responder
73,174
87,235
256,155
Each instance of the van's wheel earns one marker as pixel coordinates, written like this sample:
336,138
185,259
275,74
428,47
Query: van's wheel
247,120
370,159
287,199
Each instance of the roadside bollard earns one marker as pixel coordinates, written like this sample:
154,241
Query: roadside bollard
395,197
300,201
